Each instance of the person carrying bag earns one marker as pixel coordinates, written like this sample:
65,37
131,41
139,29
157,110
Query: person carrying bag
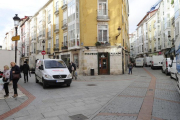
15,76
6,75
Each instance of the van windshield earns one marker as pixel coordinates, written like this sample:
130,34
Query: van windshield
49,64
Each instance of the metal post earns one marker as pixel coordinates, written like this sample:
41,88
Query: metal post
43,50
16,46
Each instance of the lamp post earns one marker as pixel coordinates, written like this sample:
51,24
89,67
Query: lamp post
119,30
16,24
43,42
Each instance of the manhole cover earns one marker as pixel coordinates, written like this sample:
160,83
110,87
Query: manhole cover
91,84
78,117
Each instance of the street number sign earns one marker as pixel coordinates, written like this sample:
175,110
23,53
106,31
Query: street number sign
16,38
43,52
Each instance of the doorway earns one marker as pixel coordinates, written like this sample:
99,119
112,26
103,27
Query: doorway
103,66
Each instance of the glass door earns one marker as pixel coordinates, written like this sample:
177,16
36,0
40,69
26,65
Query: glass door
102,8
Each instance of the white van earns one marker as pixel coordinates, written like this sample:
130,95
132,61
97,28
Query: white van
157,61
139,62
165,65
173,70
52,72
147,61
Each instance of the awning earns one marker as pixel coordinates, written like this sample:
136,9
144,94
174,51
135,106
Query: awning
172,50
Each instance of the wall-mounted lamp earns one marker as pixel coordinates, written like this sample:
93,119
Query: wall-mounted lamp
119,30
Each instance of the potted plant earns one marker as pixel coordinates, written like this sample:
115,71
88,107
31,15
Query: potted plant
98,44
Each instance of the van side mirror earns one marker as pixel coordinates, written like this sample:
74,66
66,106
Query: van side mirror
172,57
170,65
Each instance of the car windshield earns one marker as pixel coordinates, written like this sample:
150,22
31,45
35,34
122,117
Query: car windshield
49,64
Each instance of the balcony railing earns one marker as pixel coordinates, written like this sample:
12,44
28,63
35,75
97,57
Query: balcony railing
56,28
64,24
56,47
56,10
103,15
103,39
64,47
64,4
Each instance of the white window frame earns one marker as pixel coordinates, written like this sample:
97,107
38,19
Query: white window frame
64,42
102,34
102,9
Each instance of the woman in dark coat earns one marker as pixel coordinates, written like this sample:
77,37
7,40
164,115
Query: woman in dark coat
15,70
70,68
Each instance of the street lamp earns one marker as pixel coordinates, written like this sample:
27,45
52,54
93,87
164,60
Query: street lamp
119,30
43,42
16,24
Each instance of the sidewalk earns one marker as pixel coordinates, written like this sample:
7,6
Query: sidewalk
10,103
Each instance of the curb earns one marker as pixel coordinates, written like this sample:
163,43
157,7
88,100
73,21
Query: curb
20,107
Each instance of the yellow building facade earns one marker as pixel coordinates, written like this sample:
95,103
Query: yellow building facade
91,33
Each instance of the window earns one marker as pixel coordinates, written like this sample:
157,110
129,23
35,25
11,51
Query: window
159,42
57,5
57,39
49,44
71,35
57,22
102,7
49,16
65,39
103,33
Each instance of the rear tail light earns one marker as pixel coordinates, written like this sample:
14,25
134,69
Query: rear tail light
166,64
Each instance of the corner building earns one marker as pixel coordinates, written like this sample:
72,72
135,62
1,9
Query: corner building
93,34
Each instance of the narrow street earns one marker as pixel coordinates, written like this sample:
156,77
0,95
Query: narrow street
118,97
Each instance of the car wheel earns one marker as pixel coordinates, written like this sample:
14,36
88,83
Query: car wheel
166,72
37,81
176,77
43,83
68,85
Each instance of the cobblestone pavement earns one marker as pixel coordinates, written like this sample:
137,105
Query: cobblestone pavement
145,95
132,103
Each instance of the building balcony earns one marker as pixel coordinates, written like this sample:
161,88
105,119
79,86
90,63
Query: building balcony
38,51
64,5
56,28
56,47
49,35
64,48
64,24
56,11
102,15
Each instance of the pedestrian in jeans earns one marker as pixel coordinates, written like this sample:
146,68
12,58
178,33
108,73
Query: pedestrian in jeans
6,75
15,76
130,66
73,70
25,70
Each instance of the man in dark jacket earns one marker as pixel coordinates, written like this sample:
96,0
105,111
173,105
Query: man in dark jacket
73,70
25,70
70,68
130,66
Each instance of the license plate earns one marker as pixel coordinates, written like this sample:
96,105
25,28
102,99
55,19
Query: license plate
59,80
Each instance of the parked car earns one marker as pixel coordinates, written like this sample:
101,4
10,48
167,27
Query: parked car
165,65
52,72
139,62
173,71
147,61
157,62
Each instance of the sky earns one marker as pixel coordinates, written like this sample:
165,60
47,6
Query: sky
8,9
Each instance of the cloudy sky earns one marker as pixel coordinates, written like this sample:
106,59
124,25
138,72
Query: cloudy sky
8,9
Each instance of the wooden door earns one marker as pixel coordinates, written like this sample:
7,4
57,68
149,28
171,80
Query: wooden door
103,64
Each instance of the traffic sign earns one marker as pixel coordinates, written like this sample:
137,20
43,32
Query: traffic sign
16,38
43,52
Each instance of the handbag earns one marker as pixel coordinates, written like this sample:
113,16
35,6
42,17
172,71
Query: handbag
4,79
16,76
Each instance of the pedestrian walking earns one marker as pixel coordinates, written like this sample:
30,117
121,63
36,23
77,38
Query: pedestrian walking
15,75
130,66
70,68
6,75
25,70
73,70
